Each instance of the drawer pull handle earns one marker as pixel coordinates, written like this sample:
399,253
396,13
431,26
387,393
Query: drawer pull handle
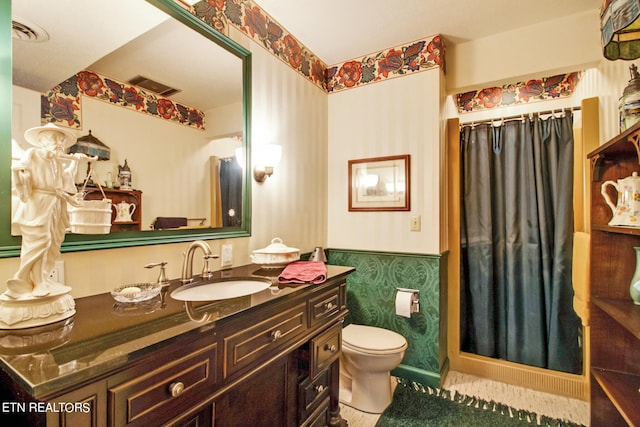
176,389
328,306
320,388
330,348
276,335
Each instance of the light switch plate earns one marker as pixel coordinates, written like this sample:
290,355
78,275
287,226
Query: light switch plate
415,223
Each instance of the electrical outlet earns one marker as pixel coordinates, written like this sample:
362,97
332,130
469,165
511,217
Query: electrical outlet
227,255
57,274
415,223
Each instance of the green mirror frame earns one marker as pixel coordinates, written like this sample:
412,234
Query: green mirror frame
10,245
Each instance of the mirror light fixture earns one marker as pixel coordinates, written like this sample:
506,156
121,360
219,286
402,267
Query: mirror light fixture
620,29
266,158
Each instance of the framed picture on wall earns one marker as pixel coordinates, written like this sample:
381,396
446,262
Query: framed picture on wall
379,184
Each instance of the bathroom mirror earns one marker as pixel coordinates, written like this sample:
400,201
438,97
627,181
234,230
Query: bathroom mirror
161,154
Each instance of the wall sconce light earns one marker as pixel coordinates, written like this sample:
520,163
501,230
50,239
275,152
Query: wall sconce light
239,152
266,158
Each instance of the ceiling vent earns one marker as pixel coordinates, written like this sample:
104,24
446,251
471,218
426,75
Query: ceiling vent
21,30
153,86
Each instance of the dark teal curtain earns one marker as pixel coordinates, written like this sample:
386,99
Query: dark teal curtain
517,243
231,192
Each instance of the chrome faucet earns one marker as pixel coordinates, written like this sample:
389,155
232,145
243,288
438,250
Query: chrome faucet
187,265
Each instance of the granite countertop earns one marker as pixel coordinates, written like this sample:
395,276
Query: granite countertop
105,335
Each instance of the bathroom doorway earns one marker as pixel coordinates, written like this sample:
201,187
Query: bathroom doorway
558,382
517,241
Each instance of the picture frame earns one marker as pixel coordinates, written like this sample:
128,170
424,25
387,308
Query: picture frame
380,184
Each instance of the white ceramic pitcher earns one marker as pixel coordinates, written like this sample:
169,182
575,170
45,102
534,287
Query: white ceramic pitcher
627,211
124,211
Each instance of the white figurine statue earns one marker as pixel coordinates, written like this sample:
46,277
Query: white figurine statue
44,180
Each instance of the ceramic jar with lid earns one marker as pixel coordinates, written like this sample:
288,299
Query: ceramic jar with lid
629,105
276,255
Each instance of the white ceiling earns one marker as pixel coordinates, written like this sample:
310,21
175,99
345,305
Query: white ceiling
334,30
339,30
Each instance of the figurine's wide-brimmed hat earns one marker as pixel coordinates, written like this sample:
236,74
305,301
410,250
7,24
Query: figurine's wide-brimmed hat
32,135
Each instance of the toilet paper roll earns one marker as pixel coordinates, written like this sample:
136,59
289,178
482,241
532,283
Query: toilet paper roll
403,303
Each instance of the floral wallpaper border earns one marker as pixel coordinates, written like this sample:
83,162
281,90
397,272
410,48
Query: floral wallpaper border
62,105
398,61
534,90
249,18
420,55
387,64
259,26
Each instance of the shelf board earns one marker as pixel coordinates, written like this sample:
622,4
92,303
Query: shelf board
623,390
625,312
633,231
623,145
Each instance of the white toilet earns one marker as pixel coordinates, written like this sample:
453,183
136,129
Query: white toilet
368,356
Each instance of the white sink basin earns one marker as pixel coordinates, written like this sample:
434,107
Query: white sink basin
219,289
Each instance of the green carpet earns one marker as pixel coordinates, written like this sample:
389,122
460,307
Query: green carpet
416,405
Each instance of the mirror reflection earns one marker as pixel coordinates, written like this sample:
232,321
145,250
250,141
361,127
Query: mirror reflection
159,105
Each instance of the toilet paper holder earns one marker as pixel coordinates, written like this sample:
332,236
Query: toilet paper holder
415,298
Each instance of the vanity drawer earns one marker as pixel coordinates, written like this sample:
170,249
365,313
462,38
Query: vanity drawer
156,395
342,288
325,349
244,348
311,392
324,307
320,418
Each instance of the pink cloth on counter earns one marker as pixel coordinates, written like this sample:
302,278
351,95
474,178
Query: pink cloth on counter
304,272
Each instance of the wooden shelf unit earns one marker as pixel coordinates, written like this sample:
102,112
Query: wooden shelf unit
615,319
117,196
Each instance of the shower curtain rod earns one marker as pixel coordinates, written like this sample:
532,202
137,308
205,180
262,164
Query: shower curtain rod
520,116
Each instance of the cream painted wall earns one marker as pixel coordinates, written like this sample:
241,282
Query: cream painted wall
397,116
607,82
290,111
224,121
94,272
556,46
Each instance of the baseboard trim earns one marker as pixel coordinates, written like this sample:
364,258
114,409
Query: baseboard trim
431,379
545,380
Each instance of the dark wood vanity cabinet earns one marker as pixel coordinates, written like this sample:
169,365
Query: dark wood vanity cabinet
266,398
273,363
286,360
147,394
92,409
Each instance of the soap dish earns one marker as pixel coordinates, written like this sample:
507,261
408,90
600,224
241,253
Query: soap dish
136,292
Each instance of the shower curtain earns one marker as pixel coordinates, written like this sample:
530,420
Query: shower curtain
516,238
226,192
231,192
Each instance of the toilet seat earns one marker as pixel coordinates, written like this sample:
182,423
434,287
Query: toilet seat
372,340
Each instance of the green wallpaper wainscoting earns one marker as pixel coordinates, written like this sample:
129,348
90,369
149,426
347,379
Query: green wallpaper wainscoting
371,292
